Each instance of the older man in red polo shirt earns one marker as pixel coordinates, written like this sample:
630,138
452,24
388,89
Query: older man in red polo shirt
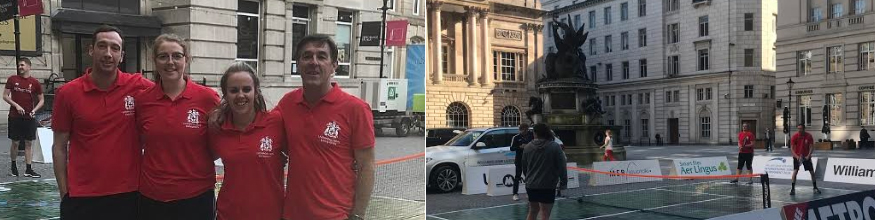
330,136
802,151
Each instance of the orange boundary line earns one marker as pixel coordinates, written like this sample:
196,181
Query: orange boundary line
399,159
666,177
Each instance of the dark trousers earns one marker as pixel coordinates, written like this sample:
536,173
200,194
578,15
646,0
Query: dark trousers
201,207
769,144
517,176
110,207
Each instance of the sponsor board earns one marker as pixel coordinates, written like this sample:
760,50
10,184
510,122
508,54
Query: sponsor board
42,148
763,214
473,182
705,166
644,167
780,167
847,170
855,206
498,180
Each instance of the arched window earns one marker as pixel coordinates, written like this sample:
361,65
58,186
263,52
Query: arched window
510,117
457,115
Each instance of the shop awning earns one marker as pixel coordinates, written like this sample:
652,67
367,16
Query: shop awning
84,22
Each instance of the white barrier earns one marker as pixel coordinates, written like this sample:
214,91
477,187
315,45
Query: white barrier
780,167
763,214
705,166
847,170
644,167
474,182
499,180
42,147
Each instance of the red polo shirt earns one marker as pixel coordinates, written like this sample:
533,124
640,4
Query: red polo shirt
103,156
253,186
177,164
23,91
322,139
801,144
746,146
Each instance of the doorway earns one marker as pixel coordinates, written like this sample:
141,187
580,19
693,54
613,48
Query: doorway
673,131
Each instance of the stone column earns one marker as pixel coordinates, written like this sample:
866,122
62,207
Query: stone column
486,73
437,64
536,69
472,46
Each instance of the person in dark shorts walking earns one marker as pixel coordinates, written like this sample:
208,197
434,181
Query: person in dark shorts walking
544,163
802,150
21,92
745,151
524,137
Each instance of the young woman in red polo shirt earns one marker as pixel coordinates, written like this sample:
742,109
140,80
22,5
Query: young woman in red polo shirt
251,142
178,179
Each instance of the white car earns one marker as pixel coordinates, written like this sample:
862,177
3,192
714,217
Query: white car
445,164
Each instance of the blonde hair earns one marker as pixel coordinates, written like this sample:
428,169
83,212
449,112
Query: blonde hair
169,38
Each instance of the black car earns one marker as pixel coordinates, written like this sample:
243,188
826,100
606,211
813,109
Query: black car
439,136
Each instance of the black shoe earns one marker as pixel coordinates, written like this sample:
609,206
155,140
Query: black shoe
793,192
816,191
734,181
14,172
32,174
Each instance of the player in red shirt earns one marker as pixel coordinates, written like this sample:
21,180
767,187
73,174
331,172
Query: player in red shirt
802,151
251,143
331,140
178,175
745,151
99,177
21,89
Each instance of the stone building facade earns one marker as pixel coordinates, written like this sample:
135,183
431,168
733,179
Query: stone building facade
828,49
689,71
260,32
483,59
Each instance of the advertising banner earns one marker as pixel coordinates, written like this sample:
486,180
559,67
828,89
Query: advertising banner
474,182
644,167
498,180
370,33
396,33
30,7
762,214
780,167
855,206
29,28
415,73
705,166
847,170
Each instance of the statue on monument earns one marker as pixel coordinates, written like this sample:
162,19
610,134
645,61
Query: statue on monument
537,107
592,108
569,60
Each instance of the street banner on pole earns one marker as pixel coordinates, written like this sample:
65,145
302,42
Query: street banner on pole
7,10
30,7
396,33
370,34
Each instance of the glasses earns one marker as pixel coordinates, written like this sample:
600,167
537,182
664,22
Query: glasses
166,57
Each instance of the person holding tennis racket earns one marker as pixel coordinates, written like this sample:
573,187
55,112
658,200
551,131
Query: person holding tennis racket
745,151
802,150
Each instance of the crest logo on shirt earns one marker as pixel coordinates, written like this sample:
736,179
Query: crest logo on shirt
266,148
332,130
129,106
193,119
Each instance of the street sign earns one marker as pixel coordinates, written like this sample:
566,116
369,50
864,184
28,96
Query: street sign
7,9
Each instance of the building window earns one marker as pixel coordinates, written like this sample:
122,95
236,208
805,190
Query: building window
704,63
592,72
640,98
591,20
672,5
608,15
804,109
592,47
748,57
667,96
834,101
343,37
642,37
804,67
708,93
673,33
674,65
113,6
576,21
624,11
626,70
642,68
677,96
609,71
836,10
300,28
608,43
416,5
867,108
647,98
613,100
816,15
748,91
510,117
703,26
457,115
624,41
247,32
645,128
507,65
705,123
867,56
445,59
748,21
700,94
627,129
859,7
835,63
642,8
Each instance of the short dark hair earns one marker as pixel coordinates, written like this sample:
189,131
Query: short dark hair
106,28
319,40
802,125
25,60
524,126
543,131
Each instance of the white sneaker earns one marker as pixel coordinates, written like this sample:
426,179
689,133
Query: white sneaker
516,197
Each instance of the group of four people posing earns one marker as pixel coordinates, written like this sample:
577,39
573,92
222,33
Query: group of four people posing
126,147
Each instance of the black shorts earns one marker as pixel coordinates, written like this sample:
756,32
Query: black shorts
547,196
117,206
22,129
745,158
196,208
806,164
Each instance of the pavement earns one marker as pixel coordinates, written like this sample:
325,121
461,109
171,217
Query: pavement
454,205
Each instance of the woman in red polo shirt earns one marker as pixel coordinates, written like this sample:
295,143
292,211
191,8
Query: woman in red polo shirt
178,176
251,142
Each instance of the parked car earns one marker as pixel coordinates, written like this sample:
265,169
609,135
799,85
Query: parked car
439,136
445,164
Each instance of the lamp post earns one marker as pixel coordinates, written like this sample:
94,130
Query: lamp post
789,106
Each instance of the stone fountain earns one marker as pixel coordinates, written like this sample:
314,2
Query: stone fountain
570,103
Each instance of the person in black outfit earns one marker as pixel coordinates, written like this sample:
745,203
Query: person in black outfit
524,137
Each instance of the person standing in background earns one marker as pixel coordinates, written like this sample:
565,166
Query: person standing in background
21,89
745,151
516,143
545,170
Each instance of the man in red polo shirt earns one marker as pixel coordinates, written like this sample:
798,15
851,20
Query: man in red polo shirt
802,150
98,170
21,89
745,151
330,136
